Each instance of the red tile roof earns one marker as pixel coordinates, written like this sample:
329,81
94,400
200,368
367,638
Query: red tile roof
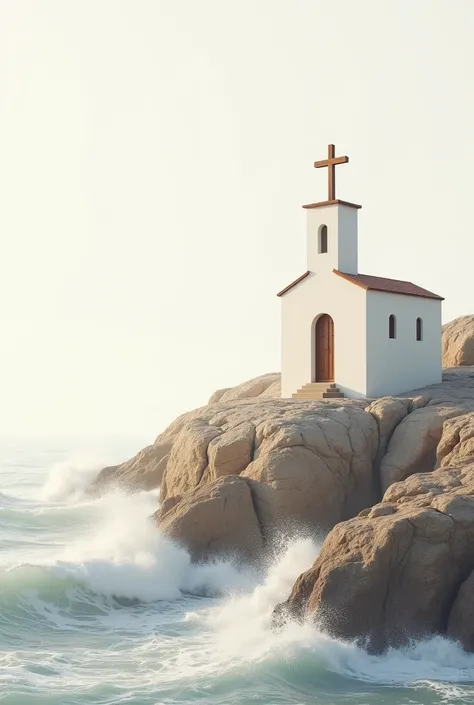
391,286
367,281
290,286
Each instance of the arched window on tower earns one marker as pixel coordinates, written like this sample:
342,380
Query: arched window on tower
419,329
392,326
323,239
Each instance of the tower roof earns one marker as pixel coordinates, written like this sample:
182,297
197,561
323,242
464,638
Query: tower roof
337,201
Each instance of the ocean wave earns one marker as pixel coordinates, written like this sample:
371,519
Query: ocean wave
125,556
105,576
68,480
242,635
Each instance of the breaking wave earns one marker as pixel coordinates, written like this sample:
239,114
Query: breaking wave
67,480
96,600
125,556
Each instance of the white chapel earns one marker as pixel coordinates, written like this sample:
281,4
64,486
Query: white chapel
351,334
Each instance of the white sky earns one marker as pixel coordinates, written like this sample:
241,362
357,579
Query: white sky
154,157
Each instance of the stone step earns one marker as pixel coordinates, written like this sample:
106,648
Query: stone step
306,390
317,391
319,385
317,395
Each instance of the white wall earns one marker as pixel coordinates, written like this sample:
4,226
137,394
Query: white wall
320,293
399,365
341,223
348,240
315,218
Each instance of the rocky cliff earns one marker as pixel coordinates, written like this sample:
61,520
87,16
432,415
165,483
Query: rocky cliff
389,482
401,569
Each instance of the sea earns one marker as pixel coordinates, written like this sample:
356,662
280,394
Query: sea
98,608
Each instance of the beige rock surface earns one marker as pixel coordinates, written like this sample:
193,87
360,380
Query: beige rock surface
312,460
461,617
218,519
218,394
142,472
188,459
413,444
458,342
266,386
407,440
393,572
457,442
388,412
456,388
231,451
313,469
316,463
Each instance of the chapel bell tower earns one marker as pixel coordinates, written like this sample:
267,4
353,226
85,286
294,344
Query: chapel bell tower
331,232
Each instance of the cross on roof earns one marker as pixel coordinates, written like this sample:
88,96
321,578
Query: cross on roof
331,162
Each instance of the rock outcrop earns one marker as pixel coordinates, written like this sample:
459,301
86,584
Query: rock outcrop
311,462
397,570
414,441
458,342
142,472
457,442
267,386
218,519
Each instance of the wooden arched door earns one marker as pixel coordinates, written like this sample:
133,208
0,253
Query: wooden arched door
324,349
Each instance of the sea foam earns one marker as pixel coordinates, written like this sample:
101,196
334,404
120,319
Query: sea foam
67,480
124,555
119,553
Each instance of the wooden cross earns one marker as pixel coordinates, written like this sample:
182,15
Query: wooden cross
331,162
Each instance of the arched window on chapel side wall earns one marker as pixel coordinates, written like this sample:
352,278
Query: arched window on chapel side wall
392,326
419,329
323,240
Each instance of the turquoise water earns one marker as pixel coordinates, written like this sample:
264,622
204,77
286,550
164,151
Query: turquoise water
97,607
